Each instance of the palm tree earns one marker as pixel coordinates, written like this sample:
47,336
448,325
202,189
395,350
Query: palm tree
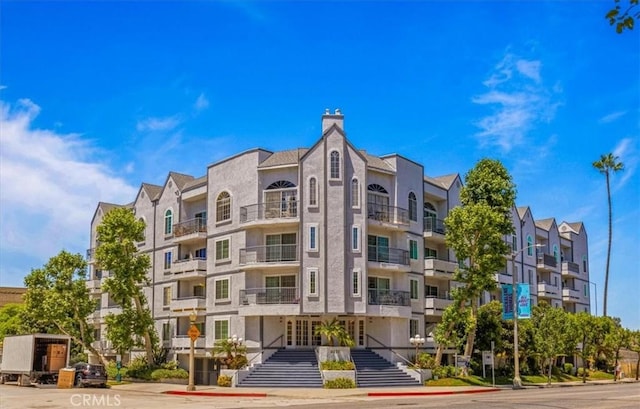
607,164
333,330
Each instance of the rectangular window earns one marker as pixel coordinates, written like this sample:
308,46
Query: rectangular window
414,326
413,249
586,290
355,193
312,245
312,278
430,253
378,248
166,296
281,247
222,289
514,243
201,254
355,283
313,192
221,329
198,290
430,291
413,289
167,260
222,250
166,331
355,238
530,276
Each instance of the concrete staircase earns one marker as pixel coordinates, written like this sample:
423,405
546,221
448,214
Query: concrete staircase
286,368
373,370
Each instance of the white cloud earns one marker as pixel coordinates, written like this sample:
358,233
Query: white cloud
154,124
2,87
201,103
519,102
611,117
625,150
50,189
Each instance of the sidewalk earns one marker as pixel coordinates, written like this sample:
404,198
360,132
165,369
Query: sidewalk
320,393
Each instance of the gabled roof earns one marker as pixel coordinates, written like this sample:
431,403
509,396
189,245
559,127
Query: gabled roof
576,227
180,179
522,211
545,224
283,158
201,181
444,182
153,191
376,163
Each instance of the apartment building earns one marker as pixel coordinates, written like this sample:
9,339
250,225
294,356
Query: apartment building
266,245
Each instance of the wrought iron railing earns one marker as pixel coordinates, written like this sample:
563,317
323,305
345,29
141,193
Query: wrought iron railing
275,253
269,295
389,297
433,225
546,259
197,225
388,255
387,214
269,210
570,267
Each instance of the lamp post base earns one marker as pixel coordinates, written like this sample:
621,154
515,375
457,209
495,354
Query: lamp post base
517,382
191,388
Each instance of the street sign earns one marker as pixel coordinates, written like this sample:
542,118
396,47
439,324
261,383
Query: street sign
487,358
193,333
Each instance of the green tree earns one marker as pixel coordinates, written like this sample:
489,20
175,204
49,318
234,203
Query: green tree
587,338
489,326
551,327
623,19
332,330
234,355
606,165
117,252
634,345
10,320
615,338
57,294
475,232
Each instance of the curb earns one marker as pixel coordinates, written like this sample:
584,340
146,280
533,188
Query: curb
433,393
218,394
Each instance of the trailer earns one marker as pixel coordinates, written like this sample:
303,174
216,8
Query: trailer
34,358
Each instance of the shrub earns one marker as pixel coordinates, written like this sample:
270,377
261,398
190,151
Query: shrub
169,374
139,368
171,365
581,370
425,361
340,383
224,380
112,371
568,368
79,357
337,366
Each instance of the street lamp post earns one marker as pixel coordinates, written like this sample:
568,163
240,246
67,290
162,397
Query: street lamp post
194,333
596,296
517,382
417,341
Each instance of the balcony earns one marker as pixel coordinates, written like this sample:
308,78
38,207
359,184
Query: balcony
91,253
570,269
388,215
110,309
275,255
189,304
570,294
504,278
435,305
548,291
269,301
437,268
270,213
546,262
184,342
190,230
388,255
434,229
189,268
389,297
94,286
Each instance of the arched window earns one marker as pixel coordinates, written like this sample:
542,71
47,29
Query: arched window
355,193
168,221
529,246
313,192
223,207
556,255
335,165
413,207
281,199
377,202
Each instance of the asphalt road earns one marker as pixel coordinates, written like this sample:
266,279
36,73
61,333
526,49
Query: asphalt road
620,396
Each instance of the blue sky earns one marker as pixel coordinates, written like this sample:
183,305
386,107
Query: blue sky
97,97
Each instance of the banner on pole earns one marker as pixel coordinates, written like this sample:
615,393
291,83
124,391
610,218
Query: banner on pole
524,301
507,302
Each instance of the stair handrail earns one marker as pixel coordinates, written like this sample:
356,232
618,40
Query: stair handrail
316,352
355,370
391,350
263,349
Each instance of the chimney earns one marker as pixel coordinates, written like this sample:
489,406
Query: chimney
328,119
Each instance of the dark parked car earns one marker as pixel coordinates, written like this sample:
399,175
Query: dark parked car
90,374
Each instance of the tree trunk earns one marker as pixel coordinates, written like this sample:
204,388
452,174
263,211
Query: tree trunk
148,346
471,333
550,369
638,367
89,347
440,350
606,271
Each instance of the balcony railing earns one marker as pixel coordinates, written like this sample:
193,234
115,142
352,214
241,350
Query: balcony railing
439,265
433,225
569,267
269,210
387,214
197,225
436,304
388,255
546,260
389,297
570,293
188,303
275,253
269,295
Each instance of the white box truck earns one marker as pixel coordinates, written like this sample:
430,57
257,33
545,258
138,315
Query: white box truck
34,358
